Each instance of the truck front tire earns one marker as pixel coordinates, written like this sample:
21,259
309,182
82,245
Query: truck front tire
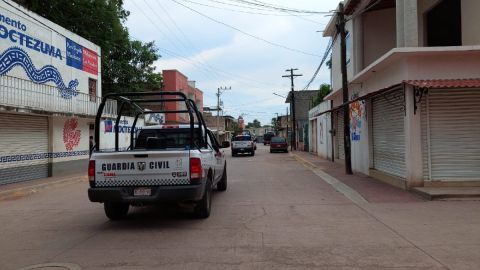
116,211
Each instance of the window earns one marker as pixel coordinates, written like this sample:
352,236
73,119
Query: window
152,139
92,89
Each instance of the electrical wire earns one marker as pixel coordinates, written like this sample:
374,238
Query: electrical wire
241,11
278,8
360,12
207,70
246,33
325,56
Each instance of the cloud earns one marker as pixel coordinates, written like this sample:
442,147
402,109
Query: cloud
224,57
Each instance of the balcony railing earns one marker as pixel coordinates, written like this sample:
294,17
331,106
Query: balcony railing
25,94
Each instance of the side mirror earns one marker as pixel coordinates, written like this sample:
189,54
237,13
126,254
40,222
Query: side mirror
225,144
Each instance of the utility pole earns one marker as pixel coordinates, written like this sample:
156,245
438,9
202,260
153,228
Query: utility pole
346,113
277,125
294,120
220,90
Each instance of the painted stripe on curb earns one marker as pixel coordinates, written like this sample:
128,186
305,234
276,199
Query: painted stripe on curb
24,191
348,192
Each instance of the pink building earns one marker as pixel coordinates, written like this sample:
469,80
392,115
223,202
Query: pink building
175,81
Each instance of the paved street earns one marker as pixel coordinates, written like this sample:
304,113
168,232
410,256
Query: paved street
276,214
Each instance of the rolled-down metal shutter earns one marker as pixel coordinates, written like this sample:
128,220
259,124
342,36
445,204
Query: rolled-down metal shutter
451,135
23,147
389,133
339,135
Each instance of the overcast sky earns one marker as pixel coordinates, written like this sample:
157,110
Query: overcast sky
215,55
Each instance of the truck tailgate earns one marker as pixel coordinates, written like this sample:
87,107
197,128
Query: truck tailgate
152,168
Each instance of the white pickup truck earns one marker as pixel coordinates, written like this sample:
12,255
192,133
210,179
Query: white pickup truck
164,163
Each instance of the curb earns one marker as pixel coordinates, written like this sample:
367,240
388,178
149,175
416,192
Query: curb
338,185
19,192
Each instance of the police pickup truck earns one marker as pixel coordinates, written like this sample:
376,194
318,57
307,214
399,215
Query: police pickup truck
164,163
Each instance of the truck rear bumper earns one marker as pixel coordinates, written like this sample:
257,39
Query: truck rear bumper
158,194
243,150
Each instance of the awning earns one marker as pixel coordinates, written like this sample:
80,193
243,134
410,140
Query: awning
444,83
378,92
447,83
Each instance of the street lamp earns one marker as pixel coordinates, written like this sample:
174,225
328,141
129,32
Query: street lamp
279,95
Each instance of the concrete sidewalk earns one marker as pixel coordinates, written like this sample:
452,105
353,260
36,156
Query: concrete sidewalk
21,189
370,189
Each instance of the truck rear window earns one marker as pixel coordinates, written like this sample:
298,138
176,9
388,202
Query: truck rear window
242,138
152,139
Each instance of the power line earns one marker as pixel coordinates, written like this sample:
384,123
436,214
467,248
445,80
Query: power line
279,8
360,12
241,11
245,33
325,56
202,67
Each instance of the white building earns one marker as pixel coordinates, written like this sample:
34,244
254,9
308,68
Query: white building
50,84
414,88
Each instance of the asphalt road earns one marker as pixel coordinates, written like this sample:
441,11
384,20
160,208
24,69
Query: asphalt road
276,214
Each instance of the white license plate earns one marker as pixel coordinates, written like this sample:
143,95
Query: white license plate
142,192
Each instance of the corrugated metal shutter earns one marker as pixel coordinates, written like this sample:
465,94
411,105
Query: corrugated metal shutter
451,135
339,134
23,148
388,134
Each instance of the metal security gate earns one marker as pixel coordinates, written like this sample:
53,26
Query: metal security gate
389,133
314,136
339,135
451,135
23,148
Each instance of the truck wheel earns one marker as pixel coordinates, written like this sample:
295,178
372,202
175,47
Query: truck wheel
222,185
233,154
202,208
115,211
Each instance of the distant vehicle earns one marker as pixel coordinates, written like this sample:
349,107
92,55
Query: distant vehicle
243,144
267,137
278,144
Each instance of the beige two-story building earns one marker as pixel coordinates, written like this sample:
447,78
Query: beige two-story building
414,88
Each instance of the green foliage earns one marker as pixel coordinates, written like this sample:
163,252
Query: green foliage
322,93
254,124
274,122
235,128
126,65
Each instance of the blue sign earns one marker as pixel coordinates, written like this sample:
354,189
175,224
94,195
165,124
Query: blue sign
74,54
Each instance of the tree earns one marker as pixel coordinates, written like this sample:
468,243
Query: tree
126,64
322,93
235,128
254,124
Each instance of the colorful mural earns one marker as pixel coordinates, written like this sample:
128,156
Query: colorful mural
357,118
71,135
15,56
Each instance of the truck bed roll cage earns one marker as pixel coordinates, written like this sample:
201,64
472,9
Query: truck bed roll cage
134,99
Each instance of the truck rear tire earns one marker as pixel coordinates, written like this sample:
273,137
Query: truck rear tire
116,211
222,185
203,207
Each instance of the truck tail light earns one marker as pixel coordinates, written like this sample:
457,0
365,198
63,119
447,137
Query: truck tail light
91,171
195,169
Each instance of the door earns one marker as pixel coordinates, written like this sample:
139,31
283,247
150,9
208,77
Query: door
389,133
23,147
451,135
